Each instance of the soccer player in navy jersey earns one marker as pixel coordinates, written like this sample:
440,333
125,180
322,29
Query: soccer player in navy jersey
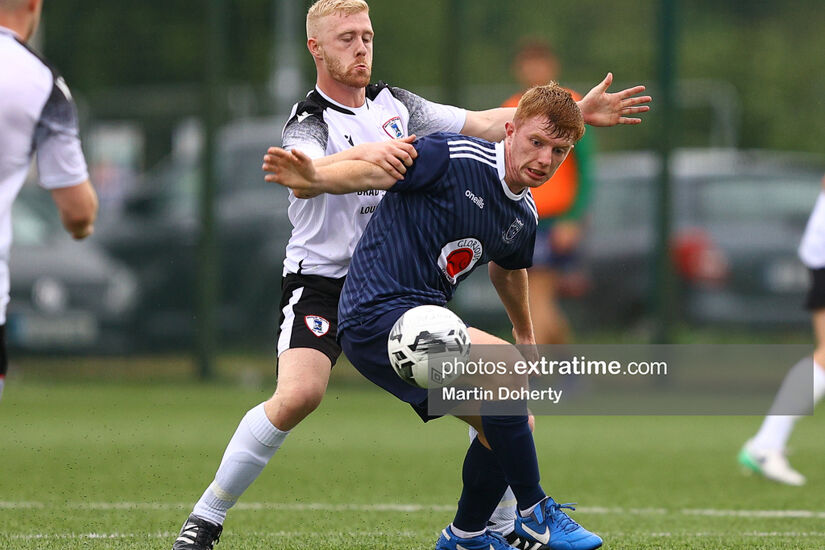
470,193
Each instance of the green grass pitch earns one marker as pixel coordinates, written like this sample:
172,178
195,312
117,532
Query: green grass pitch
118,465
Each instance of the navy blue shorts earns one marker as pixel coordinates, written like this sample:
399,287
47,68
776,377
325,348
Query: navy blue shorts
365,345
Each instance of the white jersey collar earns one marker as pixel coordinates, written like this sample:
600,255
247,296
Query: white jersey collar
502,172
341,105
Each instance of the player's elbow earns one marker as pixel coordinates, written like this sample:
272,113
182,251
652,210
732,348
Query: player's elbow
482,124
304,193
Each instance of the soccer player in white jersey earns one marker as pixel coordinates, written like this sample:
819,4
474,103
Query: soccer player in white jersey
334,123
37,113
765,452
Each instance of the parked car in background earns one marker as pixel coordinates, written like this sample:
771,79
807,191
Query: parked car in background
156,234
66,296
738,217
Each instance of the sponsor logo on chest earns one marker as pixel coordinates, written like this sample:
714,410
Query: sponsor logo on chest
478,201
458,257
368,200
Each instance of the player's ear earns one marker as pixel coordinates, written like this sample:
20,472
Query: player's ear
509,128
314,48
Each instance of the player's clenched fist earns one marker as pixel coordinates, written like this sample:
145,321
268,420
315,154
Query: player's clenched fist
393,156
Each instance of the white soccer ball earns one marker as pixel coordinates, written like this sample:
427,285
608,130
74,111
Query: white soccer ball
423,340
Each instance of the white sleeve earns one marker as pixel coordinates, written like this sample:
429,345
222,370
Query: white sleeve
427,117
60,160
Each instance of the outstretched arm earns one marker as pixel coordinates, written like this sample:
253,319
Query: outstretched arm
393,156
295,170
598,108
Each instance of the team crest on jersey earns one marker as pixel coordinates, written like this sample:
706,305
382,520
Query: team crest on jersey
393,128
513,230
459,257
318,325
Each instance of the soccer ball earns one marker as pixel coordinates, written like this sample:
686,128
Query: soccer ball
422,340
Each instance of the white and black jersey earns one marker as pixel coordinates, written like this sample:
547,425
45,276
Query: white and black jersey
37,113
326,228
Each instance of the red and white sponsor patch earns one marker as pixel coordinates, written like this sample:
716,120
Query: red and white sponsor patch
318,325
459,257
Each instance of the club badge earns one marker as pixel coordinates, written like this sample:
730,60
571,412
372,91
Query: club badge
318,325
393,128
513,230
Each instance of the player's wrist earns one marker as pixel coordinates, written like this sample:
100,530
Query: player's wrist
524,336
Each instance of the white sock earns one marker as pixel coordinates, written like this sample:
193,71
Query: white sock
2,383
504,516
527,511
819,382
777,428
465,534
254,443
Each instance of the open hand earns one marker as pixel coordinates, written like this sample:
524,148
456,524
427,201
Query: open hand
291,169
600,108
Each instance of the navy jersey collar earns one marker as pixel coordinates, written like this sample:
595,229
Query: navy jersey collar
502,172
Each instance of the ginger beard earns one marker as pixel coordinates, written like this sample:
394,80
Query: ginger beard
357,75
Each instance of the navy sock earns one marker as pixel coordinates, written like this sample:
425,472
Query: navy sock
484,484
512,444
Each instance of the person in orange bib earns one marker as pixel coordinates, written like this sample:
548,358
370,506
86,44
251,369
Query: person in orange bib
561,205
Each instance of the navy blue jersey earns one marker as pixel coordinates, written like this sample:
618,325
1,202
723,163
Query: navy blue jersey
451,213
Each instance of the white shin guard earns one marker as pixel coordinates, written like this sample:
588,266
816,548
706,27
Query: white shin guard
250,449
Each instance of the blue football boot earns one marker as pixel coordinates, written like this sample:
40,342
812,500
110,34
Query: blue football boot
490,540
550,527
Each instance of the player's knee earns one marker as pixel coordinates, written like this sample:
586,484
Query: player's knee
298,402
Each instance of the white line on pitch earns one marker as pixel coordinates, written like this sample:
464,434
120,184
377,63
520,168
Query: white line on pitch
405,534
756,513
402,507
169,535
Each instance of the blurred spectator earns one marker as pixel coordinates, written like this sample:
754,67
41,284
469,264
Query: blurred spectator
562,205
37,112
114,150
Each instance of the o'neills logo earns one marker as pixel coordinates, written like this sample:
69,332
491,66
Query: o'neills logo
459,257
